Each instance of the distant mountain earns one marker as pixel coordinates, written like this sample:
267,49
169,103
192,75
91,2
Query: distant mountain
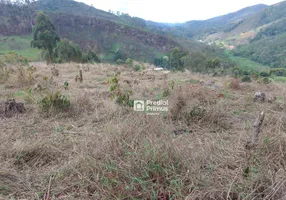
93,29
257,33
268,42
199,29
114,36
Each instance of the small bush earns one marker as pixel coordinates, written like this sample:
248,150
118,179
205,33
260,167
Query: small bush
122,97
57,101
120,62
137,68
255,75
266,80
166,93
245,73
246,79
236,72
193,81
4,74
14,58
172,84
129,61
278,72
90,57
264,74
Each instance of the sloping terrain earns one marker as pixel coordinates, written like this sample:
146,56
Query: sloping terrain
201,29
20,45
122,36
106,33
112,36
259,37
268,46
97,149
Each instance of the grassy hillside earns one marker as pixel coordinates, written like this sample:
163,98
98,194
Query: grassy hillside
246,63
20,45
201,29
270,51
259,37
98,31
78,8
268,47
266,16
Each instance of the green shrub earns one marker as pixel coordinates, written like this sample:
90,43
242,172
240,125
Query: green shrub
166,93
129,61
56,101
255,75
120,62
246,79
245,73
90,57
278,72
122,97
14,58
193,81
137,68
264,74
67,51
266,80
172,84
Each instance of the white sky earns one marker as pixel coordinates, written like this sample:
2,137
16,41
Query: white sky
173,11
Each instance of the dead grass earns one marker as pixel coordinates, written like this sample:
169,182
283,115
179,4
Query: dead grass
234,84
99,150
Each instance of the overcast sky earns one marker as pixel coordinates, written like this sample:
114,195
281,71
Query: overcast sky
173,11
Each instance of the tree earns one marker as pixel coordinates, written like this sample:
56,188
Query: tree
90,57
176,61
213,64
67,51
45,36
196,61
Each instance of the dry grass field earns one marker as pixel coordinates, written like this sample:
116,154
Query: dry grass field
98,149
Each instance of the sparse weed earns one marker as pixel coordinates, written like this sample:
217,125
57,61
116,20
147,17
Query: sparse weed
56,101
193,81
246,78
172,84
166,92
122,97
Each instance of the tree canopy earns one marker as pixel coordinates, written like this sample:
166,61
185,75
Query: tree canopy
45,36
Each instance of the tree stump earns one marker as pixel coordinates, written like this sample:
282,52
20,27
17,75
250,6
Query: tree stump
12,108
55,71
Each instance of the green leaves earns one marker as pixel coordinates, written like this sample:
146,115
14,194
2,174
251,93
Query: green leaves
175,59
45,36
57,100
121,97
67,51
